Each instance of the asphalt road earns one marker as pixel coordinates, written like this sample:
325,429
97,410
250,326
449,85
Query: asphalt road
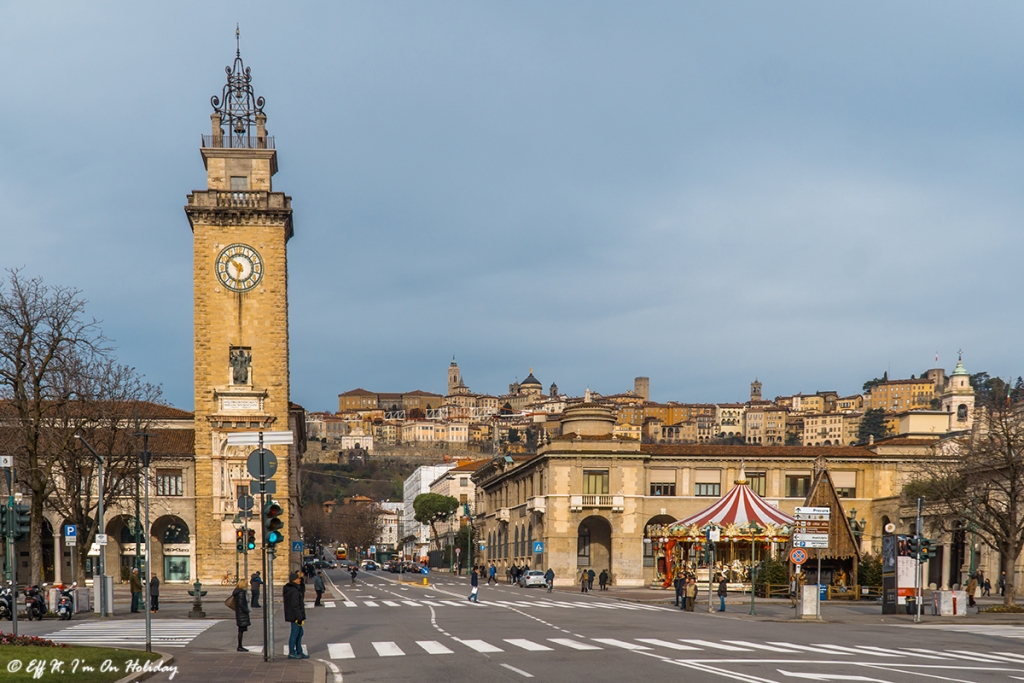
384,630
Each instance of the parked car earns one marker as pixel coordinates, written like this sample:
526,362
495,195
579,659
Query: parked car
532,577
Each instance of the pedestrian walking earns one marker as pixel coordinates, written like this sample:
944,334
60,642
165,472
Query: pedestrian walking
295,614
691,594
242,620
135,584
583,581
254,583
319,587
549,578
792,591
602,580
492,572
474,582
1002,583
987,590
154,594
590,579
972,588
723,590
508,575
679,583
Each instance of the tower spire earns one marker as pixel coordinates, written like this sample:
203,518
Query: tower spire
238,46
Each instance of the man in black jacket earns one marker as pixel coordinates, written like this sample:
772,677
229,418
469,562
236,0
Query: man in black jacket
295,612
680,583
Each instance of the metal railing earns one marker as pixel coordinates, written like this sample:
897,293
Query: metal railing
239,199
597,501
239,141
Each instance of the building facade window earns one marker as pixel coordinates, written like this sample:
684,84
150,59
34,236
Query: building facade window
758,482
595,482
583,546
797,485
169,483
707,489
663,489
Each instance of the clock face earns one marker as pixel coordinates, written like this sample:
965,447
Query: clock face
239,267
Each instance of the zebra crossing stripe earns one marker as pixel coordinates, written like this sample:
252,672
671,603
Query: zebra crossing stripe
770,648
284,649
481,646
349,603
621,643
165,632
340,651
390,603
411,603
432,647
715,646
808,648
527,644
574,644
370,603
388,649
665,643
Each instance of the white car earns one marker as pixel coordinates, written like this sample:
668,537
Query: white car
533,577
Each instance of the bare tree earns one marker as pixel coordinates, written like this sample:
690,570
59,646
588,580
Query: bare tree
316,527
46,342
112,404
979,484
358,525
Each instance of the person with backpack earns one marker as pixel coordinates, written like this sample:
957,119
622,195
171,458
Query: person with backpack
254,583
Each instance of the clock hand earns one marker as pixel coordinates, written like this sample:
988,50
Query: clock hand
238,267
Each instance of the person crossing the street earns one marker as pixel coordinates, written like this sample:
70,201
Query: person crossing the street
474,582
319,587
549,578
492,572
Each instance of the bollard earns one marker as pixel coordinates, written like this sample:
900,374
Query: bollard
425,581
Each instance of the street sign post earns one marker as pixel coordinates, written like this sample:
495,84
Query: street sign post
811,530
538,547
798,556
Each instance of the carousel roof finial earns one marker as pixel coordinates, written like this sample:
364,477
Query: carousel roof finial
743,473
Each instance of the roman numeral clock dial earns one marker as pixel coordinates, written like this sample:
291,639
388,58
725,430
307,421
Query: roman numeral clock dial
239,267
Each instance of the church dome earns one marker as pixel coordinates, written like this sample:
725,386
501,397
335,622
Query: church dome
531,381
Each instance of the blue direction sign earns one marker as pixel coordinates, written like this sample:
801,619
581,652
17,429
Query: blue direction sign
538,547
70,531
296,546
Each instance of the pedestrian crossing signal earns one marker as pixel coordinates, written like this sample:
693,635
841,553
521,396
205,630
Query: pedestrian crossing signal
272,523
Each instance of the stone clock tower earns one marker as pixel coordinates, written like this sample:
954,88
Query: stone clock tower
240,230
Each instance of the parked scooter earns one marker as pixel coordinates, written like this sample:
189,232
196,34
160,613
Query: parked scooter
35,603
6,603
66,603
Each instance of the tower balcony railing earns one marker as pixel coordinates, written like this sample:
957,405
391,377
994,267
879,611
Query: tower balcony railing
239,199
239,141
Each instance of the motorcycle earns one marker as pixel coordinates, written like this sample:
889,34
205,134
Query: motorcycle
35,603
66,603
6,602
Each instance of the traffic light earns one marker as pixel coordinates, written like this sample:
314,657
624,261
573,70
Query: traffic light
251,543
3,520
915,546
272,523
20,522
239,540
926,548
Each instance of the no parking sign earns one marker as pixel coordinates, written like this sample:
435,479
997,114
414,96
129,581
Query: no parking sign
798,556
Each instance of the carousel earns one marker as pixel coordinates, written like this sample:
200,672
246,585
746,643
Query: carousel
740,529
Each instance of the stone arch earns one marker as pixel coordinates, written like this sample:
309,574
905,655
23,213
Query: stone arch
653,558
119,554
173,549
594,544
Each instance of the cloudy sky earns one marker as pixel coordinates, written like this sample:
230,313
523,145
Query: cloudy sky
703,193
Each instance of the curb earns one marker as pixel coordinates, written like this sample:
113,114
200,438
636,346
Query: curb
143,675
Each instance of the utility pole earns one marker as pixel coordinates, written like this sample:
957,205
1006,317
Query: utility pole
145,459
918,578
12,571
100,525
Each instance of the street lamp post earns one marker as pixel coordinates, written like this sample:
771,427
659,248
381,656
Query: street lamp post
145,459
754,529
100,525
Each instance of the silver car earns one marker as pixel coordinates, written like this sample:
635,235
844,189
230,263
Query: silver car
533,577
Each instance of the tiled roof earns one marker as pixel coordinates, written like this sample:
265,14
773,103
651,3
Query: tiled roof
754,452
358,392
470,466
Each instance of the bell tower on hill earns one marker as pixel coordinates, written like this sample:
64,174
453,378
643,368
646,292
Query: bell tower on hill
240,232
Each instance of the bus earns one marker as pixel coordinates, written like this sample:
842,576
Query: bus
341,553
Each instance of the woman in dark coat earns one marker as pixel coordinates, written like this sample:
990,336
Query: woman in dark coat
241,596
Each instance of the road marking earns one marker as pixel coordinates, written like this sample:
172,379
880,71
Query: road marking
284,649
621,643
1010,654
808,648
390,603
522,673
576,645
165,632
527,644
770,648
828,677
340,651
432,647
941,655
853,650
984,656
411,603
335,671
330,604
370,604
349,603
387,649
481,646
665,643
716,646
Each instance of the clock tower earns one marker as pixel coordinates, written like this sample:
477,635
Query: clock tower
240,232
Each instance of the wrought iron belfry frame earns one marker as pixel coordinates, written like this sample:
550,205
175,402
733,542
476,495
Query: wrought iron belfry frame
238,105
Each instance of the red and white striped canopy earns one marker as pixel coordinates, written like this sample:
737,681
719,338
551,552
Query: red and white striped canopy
738,507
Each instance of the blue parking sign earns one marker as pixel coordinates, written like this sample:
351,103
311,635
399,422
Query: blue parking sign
70,531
